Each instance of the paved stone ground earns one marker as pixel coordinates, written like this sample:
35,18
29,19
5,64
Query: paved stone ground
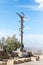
33,63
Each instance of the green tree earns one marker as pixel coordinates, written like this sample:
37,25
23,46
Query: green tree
11,44
2,42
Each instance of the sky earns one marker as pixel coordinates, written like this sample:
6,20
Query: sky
33,21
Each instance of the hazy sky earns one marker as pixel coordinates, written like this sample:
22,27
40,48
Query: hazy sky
33,25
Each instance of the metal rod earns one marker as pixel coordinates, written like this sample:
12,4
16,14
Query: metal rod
21,27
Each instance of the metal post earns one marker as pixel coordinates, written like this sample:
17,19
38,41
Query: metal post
21,27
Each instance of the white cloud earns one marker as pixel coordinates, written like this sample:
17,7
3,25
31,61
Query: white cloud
6,33
40,2
30,40
38,7
32,7
33,40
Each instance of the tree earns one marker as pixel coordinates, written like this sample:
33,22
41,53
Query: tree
2,42
12,43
